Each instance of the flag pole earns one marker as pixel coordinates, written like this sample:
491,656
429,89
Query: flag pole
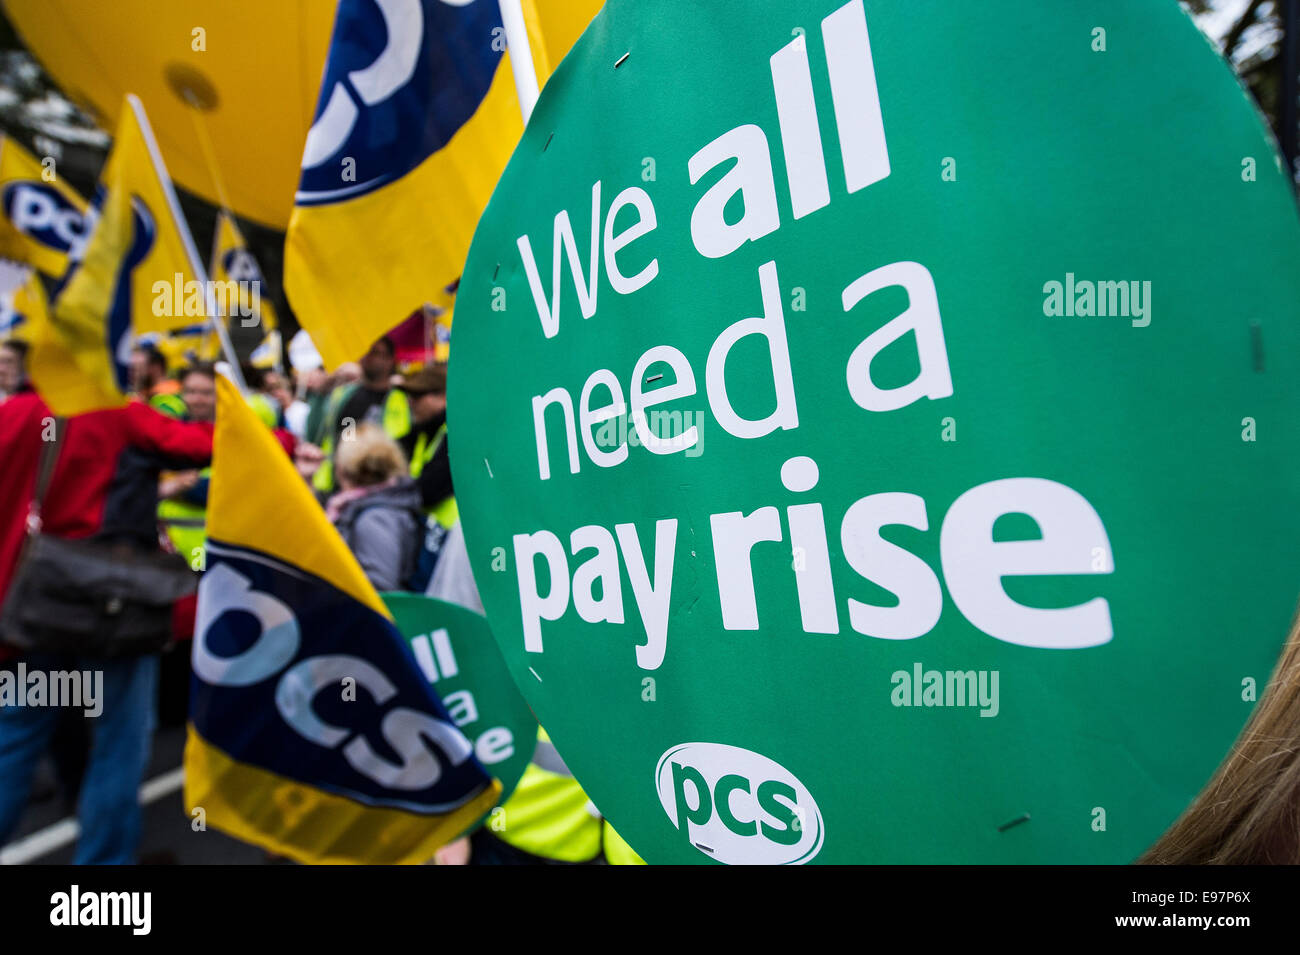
191,251
521,56
211,324
209,157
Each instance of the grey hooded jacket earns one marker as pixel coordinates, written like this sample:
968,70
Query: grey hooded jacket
381,531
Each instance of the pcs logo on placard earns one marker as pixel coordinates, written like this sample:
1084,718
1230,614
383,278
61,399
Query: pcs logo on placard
41,212
738,807
377,110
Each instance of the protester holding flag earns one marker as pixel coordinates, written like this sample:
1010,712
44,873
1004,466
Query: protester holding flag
199,392
98,486
268,409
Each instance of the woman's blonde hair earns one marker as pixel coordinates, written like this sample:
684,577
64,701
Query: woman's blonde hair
1249,812
369,457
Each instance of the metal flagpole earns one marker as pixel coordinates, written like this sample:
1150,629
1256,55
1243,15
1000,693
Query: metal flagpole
521,56
191,252
209,156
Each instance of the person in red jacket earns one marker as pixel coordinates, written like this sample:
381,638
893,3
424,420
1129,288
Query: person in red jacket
104,484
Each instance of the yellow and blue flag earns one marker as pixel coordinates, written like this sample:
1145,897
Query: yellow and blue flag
185,346
136,276
51,364
237,279
267,354
13,321
240,291
312,730
42,219
416,118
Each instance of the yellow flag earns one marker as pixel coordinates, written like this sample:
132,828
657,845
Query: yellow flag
185,346
442,334
139,269
138,272
237,281
42,219
397,168
561,23
253,66
268,758
71,380
267,354
240,291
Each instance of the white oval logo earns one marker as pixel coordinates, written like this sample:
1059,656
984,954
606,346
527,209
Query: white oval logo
738,807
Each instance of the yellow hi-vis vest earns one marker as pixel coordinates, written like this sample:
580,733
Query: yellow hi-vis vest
173,406
618,852
445,511
396,422
264,409
550,816
186,526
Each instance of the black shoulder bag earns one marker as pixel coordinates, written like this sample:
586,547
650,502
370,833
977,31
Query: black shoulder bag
89,597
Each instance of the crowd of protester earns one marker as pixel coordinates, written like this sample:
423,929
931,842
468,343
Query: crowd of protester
371,443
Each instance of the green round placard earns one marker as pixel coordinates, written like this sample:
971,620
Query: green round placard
875,425
454,649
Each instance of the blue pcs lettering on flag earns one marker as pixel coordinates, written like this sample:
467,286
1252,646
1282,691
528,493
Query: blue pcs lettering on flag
312,731
44,214
42,219
354,692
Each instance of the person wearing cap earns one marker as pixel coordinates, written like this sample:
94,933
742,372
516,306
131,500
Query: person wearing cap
426,443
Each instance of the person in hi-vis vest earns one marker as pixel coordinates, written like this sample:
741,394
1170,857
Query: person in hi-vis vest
373,399
150,383
548,819
426,443
183,495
